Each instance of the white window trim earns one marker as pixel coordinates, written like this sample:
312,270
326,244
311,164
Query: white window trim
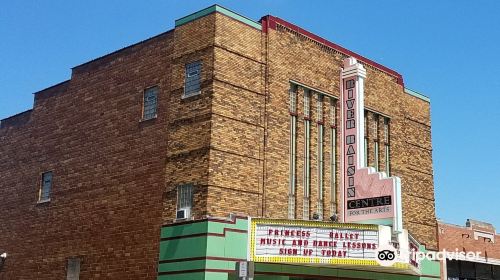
43,201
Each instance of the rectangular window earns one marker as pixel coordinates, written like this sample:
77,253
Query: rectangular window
333,113
333,158
307,154
150,103
45,187
320,156
387,160
293,151
184,196
320,108
73,269
307,103
192,79
366,126
366,153
387,147
293,99
386,130
376,134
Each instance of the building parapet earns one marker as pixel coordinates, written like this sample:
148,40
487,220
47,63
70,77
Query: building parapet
16,120
217,9
417,95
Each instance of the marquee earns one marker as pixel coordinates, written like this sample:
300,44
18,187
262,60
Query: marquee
313,242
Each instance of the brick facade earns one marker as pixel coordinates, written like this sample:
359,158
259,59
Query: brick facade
115,176
108,178
475,236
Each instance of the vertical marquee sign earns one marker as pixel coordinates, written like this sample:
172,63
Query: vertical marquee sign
369,196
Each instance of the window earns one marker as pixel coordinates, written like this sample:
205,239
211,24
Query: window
387,147
365,119
293,99
375,142
150,103
307,153
377,131
184,196
307,103
45,187
73,269
293,151
320,162
192,79
386,130
320,108
366,153
333,157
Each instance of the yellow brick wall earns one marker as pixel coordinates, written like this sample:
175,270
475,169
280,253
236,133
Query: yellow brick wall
246,130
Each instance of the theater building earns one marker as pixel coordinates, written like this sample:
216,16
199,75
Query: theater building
222,143
477,237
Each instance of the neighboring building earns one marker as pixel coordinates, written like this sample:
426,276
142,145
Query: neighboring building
121,171
475,237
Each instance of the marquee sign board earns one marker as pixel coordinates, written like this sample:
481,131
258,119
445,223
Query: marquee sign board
313,242
368,196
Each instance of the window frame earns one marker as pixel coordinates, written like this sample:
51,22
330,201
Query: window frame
187,94
41,187
71,275
179,198
387,145
143,115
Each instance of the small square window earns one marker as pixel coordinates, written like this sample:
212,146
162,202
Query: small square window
192,79
45,187
150,103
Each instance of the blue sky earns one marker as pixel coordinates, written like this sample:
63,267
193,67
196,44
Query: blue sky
448,50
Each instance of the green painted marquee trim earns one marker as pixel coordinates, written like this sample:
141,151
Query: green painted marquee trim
196,265
213,244
211,275
184,229
203,227
214,249
181,266
220,9
417,95
429,268
219,264
183,276
191,248
204,246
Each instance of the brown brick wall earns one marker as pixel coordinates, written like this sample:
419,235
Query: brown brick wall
454,237
115,177
107,171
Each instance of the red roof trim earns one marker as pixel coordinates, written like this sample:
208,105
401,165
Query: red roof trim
269,22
